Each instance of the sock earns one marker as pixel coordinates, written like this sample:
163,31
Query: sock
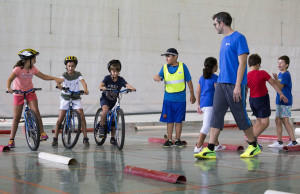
280,142
253,143
211,147
294,142
12,139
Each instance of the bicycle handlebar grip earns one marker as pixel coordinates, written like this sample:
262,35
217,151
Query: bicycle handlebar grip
37,88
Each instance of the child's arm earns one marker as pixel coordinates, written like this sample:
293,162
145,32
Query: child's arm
192,97
275,85
199,111
9,81
102,86
275,77
130,87
86,91
48,77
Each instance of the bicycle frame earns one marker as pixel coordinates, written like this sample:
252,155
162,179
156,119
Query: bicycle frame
112,114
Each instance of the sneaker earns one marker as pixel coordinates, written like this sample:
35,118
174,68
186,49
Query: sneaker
206,154
11,144
168,143
220,147
178,143
206,165
113,141
253,164
101,132
86,141
250,152
292,144
44,136
275,144
198,150
55,142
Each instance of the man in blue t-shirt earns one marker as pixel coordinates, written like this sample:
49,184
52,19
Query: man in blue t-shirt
230,89
175,76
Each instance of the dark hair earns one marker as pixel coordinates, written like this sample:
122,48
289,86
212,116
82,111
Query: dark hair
21,64
223,17
209,64
286,59
254,59
115,67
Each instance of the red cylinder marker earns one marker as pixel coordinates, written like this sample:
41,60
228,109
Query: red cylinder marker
4,148
291,148
153,174
4,131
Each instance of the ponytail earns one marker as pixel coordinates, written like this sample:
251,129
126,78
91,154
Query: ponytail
209,64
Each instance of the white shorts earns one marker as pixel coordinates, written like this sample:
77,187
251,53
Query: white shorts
207,111
64,104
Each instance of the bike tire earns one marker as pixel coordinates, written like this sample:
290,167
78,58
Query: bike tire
99,141
71,129
120,129
32,130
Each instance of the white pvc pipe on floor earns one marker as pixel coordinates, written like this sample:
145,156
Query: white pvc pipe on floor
57,158
275,192
297,132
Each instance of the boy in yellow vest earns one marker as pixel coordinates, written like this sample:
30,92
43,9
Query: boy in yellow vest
174,74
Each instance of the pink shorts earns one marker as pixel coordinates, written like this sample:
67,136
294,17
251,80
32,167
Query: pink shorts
19,100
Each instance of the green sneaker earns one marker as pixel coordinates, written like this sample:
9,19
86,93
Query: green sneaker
206,154
250,152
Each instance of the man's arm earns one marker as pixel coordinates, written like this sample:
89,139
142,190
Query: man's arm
237,96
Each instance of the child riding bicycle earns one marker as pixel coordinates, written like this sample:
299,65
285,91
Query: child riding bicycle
22,75
109,98
71,79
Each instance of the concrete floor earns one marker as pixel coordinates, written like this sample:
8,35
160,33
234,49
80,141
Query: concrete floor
100,168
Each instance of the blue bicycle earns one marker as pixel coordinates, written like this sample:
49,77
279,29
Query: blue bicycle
115,118
32,128
71,127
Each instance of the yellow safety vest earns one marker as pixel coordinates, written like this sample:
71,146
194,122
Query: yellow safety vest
174,82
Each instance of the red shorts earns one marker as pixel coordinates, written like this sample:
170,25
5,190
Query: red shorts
19,100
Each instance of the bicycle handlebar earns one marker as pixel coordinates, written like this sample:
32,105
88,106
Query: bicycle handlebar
67,89
112,90
24,92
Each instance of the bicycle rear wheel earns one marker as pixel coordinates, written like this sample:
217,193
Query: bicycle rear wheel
97,121
32,130
120,129
71,129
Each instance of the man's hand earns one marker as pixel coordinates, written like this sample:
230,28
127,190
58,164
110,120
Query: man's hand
237,94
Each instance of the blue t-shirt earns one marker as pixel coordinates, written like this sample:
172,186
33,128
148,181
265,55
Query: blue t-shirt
207,90
231,47
109,83
178,96
286,80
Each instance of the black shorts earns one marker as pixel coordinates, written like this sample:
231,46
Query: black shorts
105,101
260,106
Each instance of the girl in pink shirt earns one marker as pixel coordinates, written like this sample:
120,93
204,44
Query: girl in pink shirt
22,75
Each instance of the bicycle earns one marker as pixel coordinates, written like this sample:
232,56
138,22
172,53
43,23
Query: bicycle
32,128
114,116
71,127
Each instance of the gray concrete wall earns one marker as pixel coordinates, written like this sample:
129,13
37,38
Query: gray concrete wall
137,32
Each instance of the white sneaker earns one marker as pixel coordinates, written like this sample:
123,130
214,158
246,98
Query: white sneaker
291,144
219,147
275,144
198,150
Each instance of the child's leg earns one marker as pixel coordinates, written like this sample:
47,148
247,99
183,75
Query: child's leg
200,140
178,127
170,127
105,110
207,114
59,121
279,128
289,128
83,122
260,126
34,107
17,109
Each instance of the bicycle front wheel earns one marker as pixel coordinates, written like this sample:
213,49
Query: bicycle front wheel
71,129
98,140
32,130
120,129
